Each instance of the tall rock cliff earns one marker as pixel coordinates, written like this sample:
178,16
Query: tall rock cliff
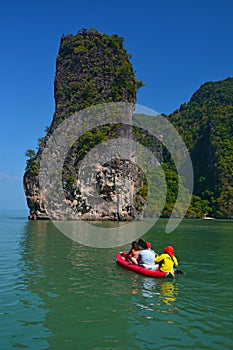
92,68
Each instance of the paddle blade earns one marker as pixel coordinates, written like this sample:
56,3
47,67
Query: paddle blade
142,243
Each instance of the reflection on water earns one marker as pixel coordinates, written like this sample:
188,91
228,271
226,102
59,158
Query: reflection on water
155,296
151,288
168,291
78,287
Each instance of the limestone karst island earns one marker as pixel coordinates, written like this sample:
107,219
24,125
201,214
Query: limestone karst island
93,68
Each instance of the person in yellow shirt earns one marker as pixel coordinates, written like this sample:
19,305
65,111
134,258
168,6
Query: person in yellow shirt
167,261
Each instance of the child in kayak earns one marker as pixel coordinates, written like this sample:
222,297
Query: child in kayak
167,261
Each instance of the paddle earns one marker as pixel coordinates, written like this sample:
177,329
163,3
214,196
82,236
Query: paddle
142,243
179,272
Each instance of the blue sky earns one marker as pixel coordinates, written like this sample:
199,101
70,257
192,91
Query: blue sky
176,46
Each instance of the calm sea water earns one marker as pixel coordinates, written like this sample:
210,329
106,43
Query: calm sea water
57,294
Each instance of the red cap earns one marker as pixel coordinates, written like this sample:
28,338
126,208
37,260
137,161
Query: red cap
148,245
169,250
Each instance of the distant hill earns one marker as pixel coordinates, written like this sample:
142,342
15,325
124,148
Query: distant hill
206,125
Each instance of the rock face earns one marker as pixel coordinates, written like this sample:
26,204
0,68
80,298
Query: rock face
91,69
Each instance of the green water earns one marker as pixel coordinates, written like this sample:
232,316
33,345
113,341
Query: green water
57,294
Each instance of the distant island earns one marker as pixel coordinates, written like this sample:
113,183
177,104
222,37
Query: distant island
94,68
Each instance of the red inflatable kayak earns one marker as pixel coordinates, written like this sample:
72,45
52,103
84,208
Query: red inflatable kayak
120,259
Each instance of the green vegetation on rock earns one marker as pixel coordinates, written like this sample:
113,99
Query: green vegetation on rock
206,125
92,68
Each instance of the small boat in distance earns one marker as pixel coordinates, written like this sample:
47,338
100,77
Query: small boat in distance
206,217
